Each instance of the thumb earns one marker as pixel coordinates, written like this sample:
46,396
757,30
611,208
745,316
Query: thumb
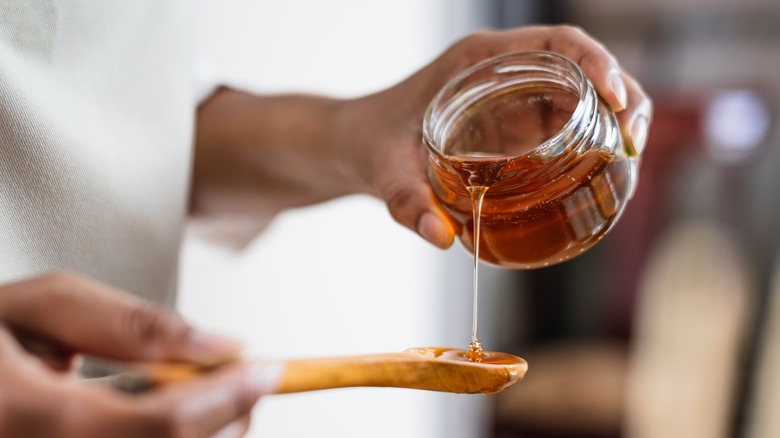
92,318
412,204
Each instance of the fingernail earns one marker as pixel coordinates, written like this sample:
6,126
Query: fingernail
638,136
432,229
210,349
618,88
264,377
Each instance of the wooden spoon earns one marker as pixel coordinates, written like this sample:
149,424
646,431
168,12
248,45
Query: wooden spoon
430,368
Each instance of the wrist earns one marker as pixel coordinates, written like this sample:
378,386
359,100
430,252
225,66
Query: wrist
352,126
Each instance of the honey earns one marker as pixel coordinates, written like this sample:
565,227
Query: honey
477,193
528,220
475,353
486,357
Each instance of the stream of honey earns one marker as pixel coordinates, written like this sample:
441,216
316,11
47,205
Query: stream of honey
520,228
518,209
475,352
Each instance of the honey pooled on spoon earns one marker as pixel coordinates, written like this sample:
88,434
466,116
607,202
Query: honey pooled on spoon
475,353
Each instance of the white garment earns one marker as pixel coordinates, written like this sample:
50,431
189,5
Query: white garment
97,103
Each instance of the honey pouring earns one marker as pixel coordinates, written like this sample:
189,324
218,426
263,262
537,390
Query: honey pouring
530,166
527,162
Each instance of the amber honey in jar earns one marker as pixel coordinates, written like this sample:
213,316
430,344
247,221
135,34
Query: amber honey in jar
524,140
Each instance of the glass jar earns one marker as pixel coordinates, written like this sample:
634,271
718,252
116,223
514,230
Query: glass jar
524,138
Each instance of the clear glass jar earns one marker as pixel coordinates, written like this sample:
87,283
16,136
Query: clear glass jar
528,132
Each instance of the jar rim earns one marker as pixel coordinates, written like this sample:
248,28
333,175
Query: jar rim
503,63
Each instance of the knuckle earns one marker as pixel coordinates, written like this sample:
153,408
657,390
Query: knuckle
143,321
471,45
399,201
479,36
476,37
571,30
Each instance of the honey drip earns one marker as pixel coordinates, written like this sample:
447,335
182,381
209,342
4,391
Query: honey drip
474,353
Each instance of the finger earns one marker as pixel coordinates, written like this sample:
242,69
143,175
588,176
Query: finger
38,403
216,402
635,120
30,392
621,91
412,204
92,318
598,63
33,398
196,409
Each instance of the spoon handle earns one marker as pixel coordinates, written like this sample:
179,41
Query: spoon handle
403,370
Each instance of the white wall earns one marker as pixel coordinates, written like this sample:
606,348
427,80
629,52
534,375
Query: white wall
339,278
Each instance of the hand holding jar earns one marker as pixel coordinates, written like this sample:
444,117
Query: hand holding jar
395,161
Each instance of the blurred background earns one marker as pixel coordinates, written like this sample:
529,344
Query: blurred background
669,327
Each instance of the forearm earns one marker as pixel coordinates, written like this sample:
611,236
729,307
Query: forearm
262,154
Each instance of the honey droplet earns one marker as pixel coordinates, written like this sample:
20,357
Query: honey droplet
475,352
